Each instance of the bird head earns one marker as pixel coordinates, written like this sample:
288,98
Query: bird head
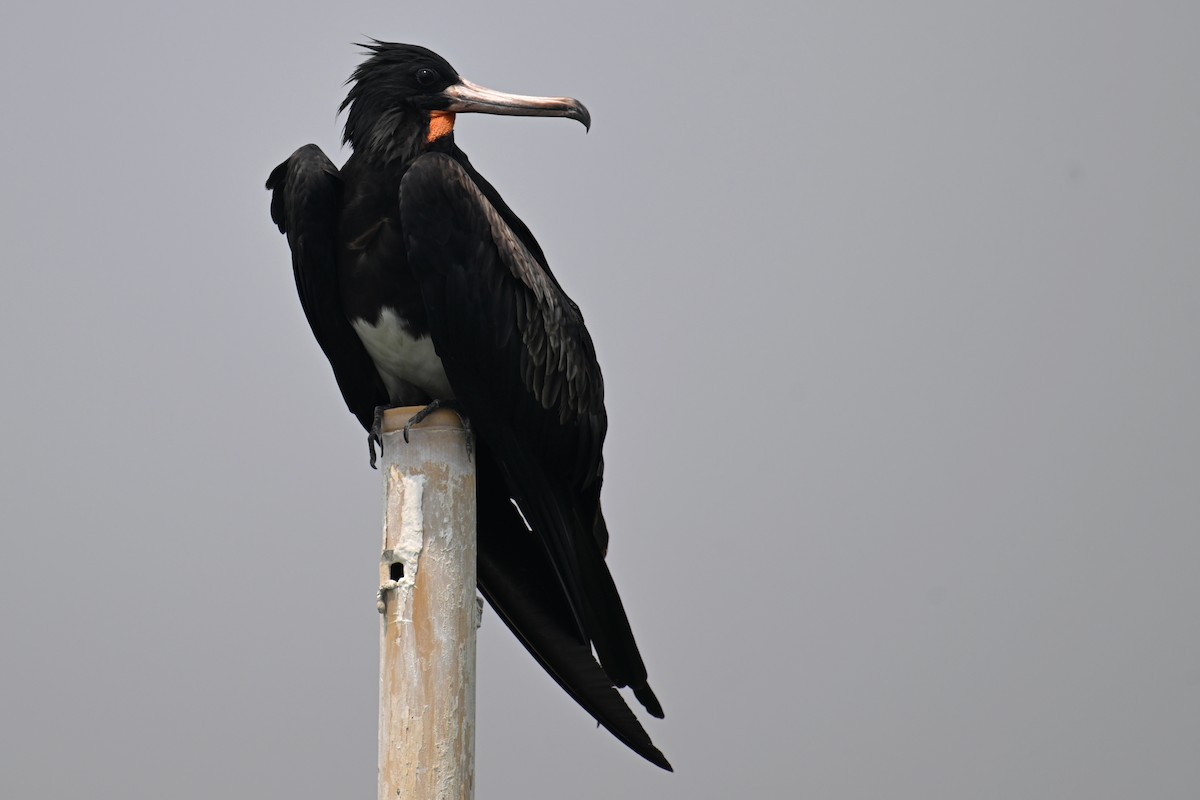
404,97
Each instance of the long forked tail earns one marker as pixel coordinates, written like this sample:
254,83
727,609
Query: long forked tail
519,582
566,526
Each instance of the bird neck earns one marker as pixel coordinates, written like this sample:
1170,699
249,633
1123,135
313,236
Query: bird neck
396,138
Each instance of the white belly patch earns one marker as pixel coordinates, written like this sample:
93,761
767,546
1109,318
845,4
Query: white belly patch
401,357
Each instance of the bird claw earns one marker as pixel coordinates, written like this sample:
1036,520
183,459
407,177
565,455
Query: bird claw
375,435
423,414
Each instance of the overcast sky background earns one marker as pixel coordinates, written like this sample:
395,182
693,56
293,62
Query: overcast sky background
898,306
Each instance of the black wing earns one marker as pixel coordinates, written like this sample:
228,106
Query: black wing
305,204
522,365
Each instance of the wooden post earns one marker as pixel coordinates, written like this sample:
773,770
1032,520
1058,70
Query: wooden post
427,598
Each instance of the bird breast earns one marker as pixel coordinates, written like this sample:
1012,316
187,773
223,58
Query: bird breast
403,360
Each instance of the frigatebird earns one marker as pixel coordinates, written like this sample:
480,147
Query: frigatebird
422,287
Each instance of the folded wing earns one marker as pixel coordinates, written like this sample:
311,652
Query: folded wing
305,204
524,369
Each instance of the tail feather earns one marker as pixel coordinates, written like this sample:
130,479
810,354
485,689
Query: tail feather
519,582
646,697
576,561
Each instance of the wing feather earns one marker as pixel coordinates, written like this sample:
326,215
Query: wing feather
305,203
534,391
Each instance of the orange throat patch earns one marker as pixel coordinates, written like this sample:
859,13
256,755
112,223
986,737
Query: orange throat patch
441,123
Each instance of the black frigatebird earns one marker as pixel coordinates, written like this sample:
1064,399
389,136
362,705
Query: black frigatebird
421,285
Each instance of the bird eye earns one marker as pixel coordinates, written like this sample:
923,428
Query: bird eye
426,76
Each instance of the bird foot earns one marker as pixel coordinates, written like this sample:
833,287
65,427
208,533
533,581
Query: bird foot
375,436
452,405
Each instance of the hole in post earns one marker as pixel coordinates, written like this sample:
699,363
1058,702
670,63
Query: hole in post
396,570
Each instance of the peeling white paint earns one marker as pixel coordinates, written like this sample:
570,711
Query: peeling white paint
405,514
412,523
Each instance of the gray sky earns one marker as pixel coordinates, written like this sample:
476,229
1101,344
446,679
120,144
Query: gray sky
898,308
